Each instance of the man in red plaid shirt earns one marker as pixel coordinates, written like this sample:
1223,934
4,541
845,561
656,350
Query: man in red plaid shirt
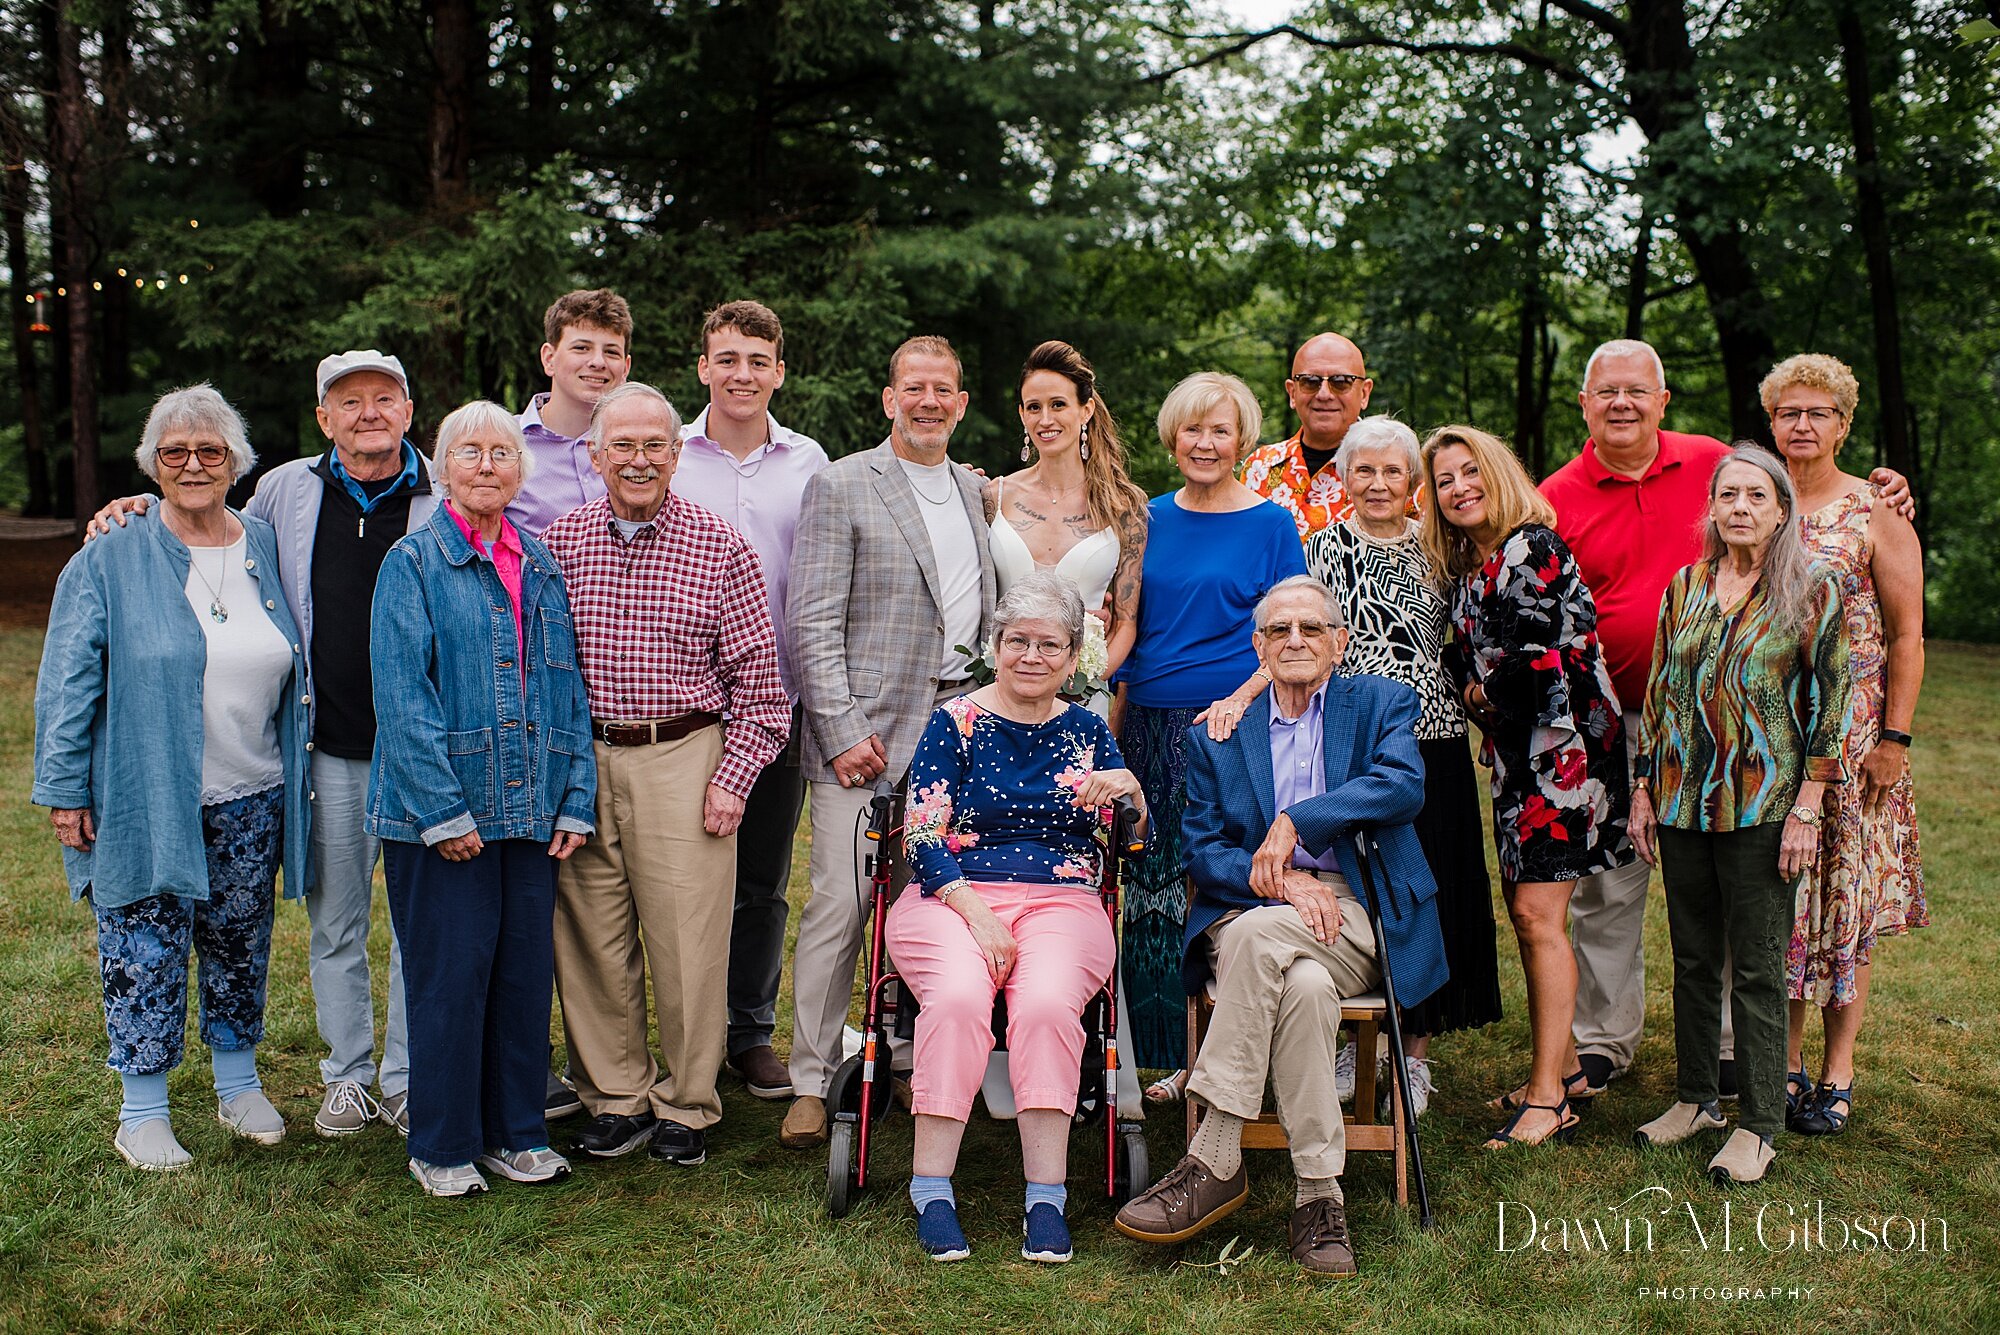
673,626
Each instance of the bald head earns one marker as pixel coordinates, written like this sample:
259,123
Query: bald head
1328,389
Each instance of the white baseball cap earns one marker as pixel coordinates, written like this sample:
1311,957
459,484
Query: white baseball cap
361,359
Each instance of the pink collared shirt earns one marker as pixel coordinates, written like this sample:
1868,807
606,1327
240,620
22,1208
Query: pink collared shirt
506,558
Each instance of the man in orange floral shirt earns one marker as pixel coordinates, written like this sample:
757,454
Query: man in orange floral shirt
1328,389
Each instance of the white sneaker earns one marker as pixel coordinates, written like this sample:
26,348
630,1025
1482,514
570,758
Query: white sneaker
151,1145
1421,1086
251,1116
460,1180
1343,1073
537,1165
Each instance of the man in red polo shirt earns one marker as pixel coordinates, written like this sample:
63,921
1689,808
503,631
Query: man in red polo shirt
1631,507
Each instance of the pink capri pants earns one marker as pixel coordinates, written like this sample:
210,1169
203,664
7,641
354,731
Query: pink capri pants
1066,952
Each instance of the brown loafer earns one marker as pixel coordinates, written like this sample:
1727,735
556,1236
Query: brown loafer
1320,1242
761,1070
1183,1203
805,1124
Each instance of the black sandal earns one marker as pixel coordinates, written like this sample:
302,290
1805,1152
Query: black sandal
1798,1096
1821,1117
1576,1089
1563,1132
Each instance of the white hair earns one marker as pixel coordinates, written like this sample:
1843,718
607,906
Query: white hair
479,415
1380,432
1626,347
1290,583
631,389
196,410
1041,596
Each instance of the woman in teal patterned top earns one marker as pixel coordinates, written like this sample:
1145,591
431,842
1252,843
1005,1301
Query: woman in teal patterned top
1740,735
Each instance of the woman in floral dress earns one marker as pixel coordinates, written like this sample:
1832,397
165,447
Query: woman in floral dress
1527,665
1869,881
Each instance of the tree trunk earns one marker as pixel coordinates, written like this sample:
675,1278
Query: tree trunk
1635,282
272,71
456,46
1528,434
1872,219
538,24
73,200
21,283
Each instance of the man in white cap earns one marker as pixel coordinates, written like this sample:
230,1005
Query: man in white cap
337,514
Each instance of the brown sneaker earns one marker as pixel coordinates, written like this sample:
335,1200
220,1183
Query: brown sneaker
763,1072
805,1124
1183,1203
1319,1238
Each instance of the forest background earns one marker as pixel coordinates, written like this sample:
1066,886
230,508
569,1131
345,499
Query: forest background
1477,193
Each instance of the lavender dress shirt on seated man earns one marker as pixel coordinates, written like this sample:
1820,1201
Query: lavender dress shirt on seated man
760,496
562,478
1298,767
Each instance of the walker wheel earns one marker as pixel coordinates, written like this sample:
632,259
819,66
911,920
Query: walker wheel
840,1169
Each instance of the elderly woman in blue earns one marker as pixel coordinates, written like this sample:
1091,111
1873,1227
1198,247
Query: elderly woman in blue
486,784
1009,798
170,731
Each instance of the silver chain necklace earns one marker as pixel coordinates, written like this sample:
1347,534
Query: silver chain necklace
950,486
218,611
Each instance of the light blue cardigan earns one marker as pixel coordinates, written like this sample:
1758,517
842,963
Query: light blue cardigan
118,714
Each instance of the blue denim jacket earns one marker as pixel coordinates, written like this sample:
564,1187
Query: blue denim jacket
118,727
460,747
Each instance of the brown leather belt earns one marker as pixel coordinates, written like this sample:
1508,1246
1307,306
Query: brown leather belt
651,731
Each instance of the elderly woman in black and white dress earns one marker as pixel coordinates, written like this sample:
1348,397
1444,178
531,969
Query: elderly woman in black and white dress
1384,583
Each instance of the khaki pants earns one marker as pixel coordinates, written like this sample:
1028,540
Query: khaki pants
653,889
1277,1018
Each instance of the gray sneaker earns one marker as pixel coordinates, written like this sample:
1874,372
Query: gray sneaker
151,1145
459,1180
345,1110
251,1116
394,1109
1343,1073
537,1165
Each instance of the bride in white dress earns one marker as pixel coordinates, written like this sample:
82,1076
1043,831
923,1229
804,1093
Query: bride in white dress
1071,511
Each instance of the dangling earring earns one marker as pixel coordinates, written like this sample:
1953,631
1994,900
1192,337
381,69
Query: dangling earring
1083,443
1027,448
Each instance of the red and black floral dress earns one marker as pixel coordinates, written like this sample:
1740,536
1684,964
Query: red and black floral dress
1525,629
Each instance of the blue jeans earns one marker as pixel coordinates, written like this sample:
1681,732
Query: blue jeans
479,958
343,856
143,946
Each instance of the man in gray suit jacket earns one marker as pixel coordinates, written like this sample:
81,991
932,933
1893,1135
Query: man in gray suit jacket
890,573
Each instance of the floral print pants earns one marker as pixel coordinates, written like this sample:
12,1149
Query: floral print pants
142,947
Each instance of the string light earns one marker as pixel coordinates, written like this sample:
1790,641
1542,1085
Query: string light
96,287
184,279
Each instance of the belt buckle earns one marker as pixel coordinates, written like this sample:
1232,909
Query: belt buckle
653,732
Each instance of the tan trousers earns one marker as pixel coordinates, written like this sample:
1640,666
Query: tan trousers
653,889
829,940
1277,1018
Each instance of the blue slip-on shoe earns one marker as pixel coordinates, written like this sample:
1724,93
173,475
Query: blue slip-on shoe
939,1234
1045,1235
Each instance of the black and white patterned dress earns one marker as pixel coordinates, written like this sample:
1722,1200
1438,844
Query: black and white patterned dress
1396,629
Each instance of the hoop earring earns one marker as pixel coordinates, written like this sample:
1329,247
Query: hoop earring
1083,443
1027,448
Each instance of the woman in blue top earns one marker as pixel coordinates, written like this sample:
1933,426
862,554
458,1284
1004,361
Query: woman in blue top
1213,549
1009,798
170,745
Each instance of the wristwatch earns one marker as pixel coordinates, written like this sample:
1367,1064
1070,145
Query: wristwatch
1900,738
1805,815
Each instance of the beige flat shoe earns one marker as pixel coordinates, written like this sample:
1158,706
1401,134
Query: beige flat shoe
1744,1159
1677,1124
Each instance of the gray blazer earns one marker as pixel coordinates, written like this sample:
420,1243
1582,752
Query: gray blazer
864,614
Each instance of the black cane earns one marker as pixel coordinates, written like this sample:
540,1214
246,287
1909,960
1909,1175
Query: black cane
1363,844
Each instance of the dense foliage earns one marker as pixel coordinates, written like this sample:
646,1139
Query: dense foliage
1478,193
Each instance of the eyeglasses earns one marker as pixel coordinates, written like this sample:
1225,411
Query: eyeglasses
1282,630
1021,644
176,456
1637,393
1339,384
1783,417
503,456
1369,472
622,451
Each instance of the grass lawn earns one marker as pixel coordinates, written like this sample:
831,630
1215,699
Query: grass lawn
318,1235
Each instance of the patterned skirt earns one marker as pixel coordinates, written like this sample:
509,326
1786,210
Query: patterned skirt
1449,829
1154,742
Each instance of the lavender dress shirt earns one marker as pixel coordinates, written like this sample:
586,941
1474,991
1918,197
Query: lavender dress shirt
759,496
561,480
1298,767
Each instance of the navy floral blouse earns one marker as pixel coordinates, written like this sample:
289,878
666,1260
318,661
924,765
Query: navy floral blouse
992,799
1526,631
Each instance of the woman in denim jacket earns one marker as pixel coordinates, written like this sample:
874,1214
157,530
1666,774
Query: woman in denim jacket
483,780
170,745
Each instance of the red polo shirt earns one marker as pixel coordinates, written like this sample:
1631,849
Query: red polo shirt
1629,536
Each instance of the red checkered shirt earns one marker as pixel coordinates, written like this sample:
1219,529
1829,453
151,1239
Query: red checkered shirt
676,621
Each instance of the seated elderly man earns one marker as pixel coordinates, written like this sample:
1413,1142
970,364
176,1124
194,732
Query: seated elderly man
1268,835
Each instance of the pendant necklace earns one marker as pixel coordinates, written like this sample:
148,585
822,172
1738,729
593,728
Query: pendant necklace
218,611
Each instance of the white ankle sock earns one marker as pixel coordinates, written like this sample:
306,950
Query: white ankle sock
1218,1142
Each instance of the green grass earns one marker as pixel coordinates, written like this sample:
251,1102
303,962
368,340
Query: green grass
325,1236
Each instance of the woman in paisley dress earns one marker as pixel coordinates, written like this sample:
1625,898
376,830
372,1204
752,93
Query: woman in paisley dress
1869,879
1010,792
1388,592
1527,666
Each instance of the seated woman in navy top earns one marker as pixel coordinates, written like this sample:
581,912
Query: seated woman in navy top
1010,795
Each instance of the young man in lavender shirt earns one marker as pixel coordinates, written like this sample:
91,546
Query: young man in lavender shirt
587,355
739,463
